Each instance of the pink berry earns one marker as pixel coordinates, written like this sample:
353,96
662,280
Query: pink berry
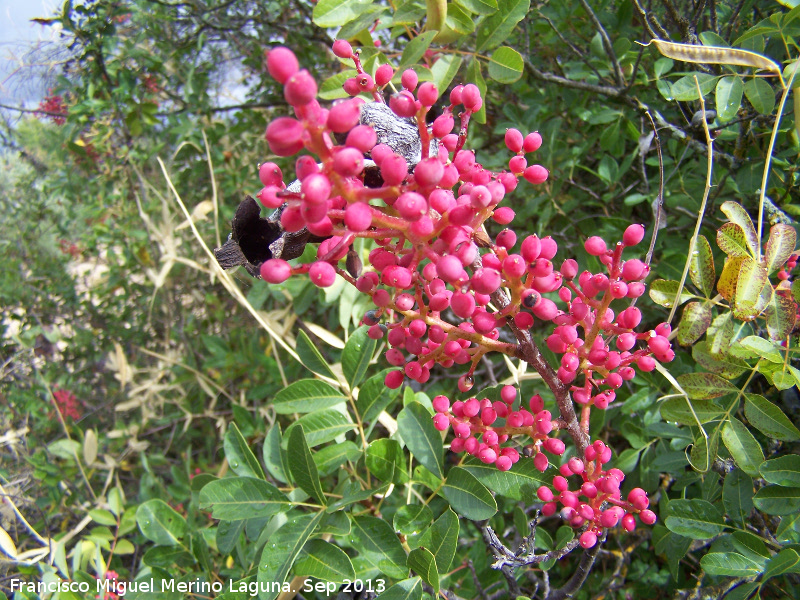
508,393
544,493
503,463
322,274
411,206
275,270
456,95
269,197
343,115
442,125
470,97
403,104
348,162
487,455
533,142
503,215
633,235
300,89
394,169
588,539
628,522
394,379
595,246
342,49
513,140
409,80
284,136
441,422
648,517
270,174
536,174
384,75
428,94
428,172
281,64
316,188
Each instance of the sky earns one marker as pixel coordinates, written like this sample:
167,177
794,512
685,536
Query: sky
17,35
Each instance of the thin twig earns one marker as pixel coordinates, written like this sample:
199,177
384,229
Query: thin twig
607,45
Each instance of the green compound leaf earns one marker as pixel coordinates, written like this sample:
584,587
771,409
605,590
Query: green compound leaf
737,495
695,519
784,470
680,411
754,346
761,95
743,447
412,518
729,563
442,540
415,49
663,292
778,500
240,457
305,396
282,549
705,385
780,246
320,427
695,321
416,428
159,523
685,88
408,589
494,30
335,13
324,561
306,350
422,562
729,97
519,483
444,70
386,460
506,65
769,419
701,267
377,543
468,496
356,356
273,455
724,365
302,466
236,498
739,216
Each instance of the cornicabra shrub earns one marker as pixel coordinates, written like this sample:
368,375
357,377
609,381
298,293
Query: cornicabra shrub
443,289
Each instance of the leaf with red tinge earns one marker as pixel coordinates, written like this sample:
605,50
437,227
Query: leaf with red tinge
724,365
738,215
780,246
705,385
694,322
701,267
720,334
726,285
751,294
732,241
780,314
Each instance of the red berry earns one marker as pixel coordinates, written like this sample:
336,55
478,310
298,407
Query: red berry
471,97
533,142
344,115
513,140
275,270
300,89
595,246
394,379
403,104
633,235
428,94
536,174
442,125
284,136
362,137
384,75
322,274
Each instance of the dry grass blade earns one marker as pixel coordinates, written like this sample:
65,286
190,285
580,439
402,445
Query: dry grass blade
718,55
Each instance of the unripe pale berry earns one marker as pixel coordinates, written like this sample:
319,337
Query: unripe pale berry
281,64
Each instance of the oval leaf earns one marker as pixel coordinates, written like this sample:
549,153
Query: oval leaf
282,549
415,425
680,411
761,95
468,496
320,427
729,563
494,30
236,498
731,240
385,460
694,322
240,457
422,562
743,447
305,396
724,365
409,589
505,65
705,385
701,267
663,292
769,419
306,350
324,561
159,523
780,246
778,500
695,519
378,545
784,470
302,466
738,215
729,97
356,355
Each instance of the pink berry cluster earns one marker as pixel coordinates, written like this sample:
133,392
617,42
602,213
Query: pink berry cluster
591,338
473,418
54,108
597,503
